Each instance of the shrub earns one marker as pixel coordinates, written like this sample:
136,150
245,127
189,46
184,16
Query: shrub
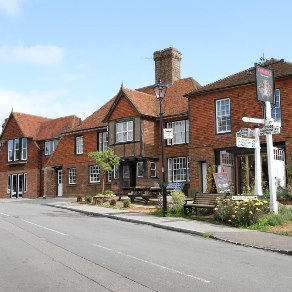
178,199
79,199
112,201
108,193
88,199
240,213
126,203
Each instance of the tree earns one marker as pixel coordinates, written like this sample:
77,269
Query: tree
105,160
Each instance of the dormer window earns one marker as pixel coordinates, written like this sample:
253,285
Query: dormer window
124,132
17,149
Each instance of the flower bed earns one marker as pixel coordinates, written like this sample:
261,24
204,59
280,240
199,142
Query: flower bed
240,213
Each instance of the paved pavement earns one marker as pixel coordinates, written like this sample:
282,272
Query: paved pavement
251,238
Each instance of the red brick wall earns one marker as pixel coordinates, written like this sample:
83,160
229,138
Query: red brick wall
203,139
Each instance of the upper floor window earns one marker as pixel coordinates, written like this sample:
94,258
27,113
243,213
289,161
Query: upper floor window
79,145
50,146
276,108
103,141
124,132
180,132
17,149
72,176
223,121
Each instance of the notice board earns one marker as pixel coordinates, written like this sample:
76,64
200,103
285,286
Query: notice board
221,182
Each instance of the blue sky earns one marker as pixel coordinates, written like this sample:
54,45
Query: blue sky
61,57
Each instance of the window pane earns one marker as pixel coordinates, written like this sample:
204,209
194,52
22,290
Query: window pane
223,122
10,150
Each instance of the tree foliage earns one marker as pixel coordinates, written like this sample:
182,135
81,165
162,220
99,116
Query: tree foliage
105,160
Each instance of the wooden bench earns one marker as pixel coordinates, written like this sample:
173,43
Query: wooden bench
204,201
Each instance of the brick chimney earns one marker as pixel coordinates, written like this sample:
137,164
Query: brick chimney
167,65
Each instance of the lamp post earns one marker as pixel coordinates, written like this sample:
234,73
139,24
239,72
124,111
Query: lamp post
160,91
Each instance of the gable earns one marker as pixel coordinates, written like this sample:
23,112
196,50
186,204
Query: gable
11,130
123,109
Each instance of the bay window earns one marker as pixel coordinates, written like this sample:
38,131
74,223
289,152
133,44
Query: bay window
124,132
17,149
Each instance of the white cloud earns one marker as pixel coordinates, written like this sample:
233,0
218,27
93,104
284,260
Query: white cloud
11,7
40,55
51,104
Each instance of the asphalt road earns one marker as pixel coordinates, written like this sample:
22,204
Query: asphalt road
48,249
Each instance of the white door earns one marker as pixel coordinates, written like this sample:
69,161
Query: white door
204,177
60,182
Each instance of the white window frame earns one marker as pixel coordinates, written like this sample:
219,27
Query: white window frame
116,172
25,182
72,176
50,146
94,174
140,169
124,132
177,173
102,141
153,169
9,184
16,150
79,145
180,132
10,148
276,108
24,149
223,116
109,176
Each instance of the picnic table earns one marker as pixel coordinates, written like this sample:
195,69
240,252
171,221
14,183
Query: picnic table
145,193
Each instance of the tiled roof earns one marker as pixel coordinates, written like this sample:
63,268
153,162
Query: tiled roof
41,128
29,124
146,104
174,102
280,68
53,128
95,120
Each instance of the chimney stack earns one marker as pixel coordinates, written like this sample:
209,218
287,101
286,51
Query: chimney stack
167,65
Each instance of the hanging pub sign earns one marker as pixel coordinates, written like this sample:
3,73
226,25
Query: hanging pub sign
265,84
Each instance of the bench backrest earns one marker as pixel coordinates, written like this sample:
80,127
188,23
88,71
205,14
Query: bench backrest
175,186
207,199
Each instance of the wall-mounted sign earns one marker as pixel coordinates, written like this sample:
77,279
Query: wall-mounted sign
168,133
265,84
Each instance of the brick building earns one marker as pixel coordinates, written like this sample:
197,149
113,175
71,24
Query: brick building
27,141
129,123
216,112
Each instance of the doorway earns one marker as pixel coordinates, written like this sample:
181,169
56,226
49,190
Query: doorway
129,176
60,183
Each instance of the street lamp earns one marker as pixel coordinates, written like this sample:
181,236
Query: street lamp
160,91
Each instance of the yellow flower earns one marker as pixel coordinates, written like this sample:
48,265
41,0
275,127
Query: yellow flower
250,212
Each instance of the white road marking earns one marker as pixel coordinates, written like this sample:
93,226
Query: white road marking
4,214
43,227
153,264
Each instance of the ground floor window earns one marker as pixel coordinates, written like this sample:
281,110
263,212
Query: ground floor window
153,169
72,176
17,184
178,169
94,174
